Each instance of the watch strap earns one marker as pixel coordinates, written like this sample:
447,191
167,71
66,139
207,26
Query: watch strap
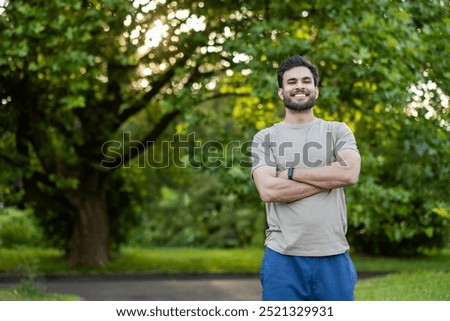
290,172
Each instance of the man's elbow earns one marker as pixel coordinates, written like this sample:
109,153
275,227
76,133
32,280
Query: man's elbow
352,168
352,172
352,178
267,196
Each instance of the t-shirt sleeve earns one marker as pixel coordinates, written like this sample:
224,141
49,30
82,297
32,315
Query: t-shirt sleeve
261,152
344,139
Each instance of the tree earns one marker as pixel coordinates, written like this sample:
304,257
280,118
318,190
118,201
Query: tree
73,75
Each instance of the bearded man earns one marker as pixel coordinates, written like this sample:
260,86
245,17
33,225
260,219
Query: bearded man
300,168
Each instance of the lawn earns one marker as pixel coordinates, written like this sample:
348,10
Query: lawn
406,286
410,279
26,291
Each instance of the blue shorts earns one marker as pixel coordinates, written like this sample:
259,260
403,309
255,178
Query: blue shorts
306,278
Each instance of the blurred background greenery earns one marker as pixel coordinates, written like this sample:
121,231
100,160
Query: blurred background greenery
129,122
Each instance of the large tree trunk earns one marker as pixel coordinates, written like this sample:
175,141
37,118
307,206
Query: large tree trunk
89,244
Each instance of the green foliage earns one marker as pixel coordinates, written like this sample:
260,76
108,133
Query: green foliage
57,228
19,228
393,221
122,218
403,186
204,196
53,65
198,214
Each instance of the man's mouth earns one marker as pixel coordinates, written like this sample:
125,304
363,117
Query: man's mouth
300,95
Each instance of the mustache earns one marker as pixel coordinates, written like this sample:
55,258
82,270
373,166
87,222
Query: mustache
296,92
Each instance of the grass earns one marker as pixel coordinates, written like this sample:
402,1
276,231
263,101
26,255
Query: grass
424,278
187,260
132,260
421,278
406,286
29,291
430,262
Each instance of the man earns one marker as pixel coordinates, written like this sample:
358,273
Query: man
300,167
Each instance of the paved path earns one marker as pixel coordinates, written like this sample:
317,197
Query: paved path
219,287
157,287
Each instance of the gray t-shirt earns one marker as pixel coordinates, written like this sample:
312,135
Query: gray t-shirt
316,225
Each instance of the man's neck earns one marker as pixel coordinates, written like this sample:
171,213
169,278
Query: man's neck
298,117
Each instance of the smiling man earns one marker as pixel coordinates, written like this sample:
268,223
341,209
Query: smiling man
300,168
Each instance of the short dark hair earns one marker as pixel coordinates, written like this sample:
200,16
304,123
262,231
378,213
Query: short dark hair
297,61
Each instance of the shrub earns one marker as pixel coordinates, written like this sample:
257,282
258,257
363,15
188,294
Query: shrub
199,215
18,227
394,221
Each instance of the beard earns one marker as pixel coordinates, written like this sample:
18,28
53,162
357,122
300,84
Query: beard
289,103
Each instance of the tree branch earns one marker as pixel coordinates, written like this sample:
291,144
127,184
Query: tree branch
156,87
152,136
138,148
42,200
8,160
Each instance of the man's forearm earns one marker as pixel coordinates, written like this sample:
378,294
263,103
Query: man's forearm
296,192
285,191
328,177
338,174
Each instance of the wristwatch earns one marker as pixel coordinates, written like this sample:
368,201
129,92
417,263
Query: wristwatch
290,172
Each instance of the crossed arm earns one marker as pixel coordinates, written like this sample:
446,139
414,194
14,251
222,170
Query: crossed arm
275,186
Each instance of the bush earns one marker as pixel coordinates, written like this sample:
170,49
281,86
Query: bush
199,215
400,205
394,221
18,228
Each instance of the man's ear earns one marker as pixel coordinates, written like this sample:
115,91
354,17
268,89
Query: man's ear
317,92
280,93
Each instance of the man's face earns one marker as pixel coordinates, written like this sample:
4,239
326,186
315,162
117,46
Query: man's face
299,91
